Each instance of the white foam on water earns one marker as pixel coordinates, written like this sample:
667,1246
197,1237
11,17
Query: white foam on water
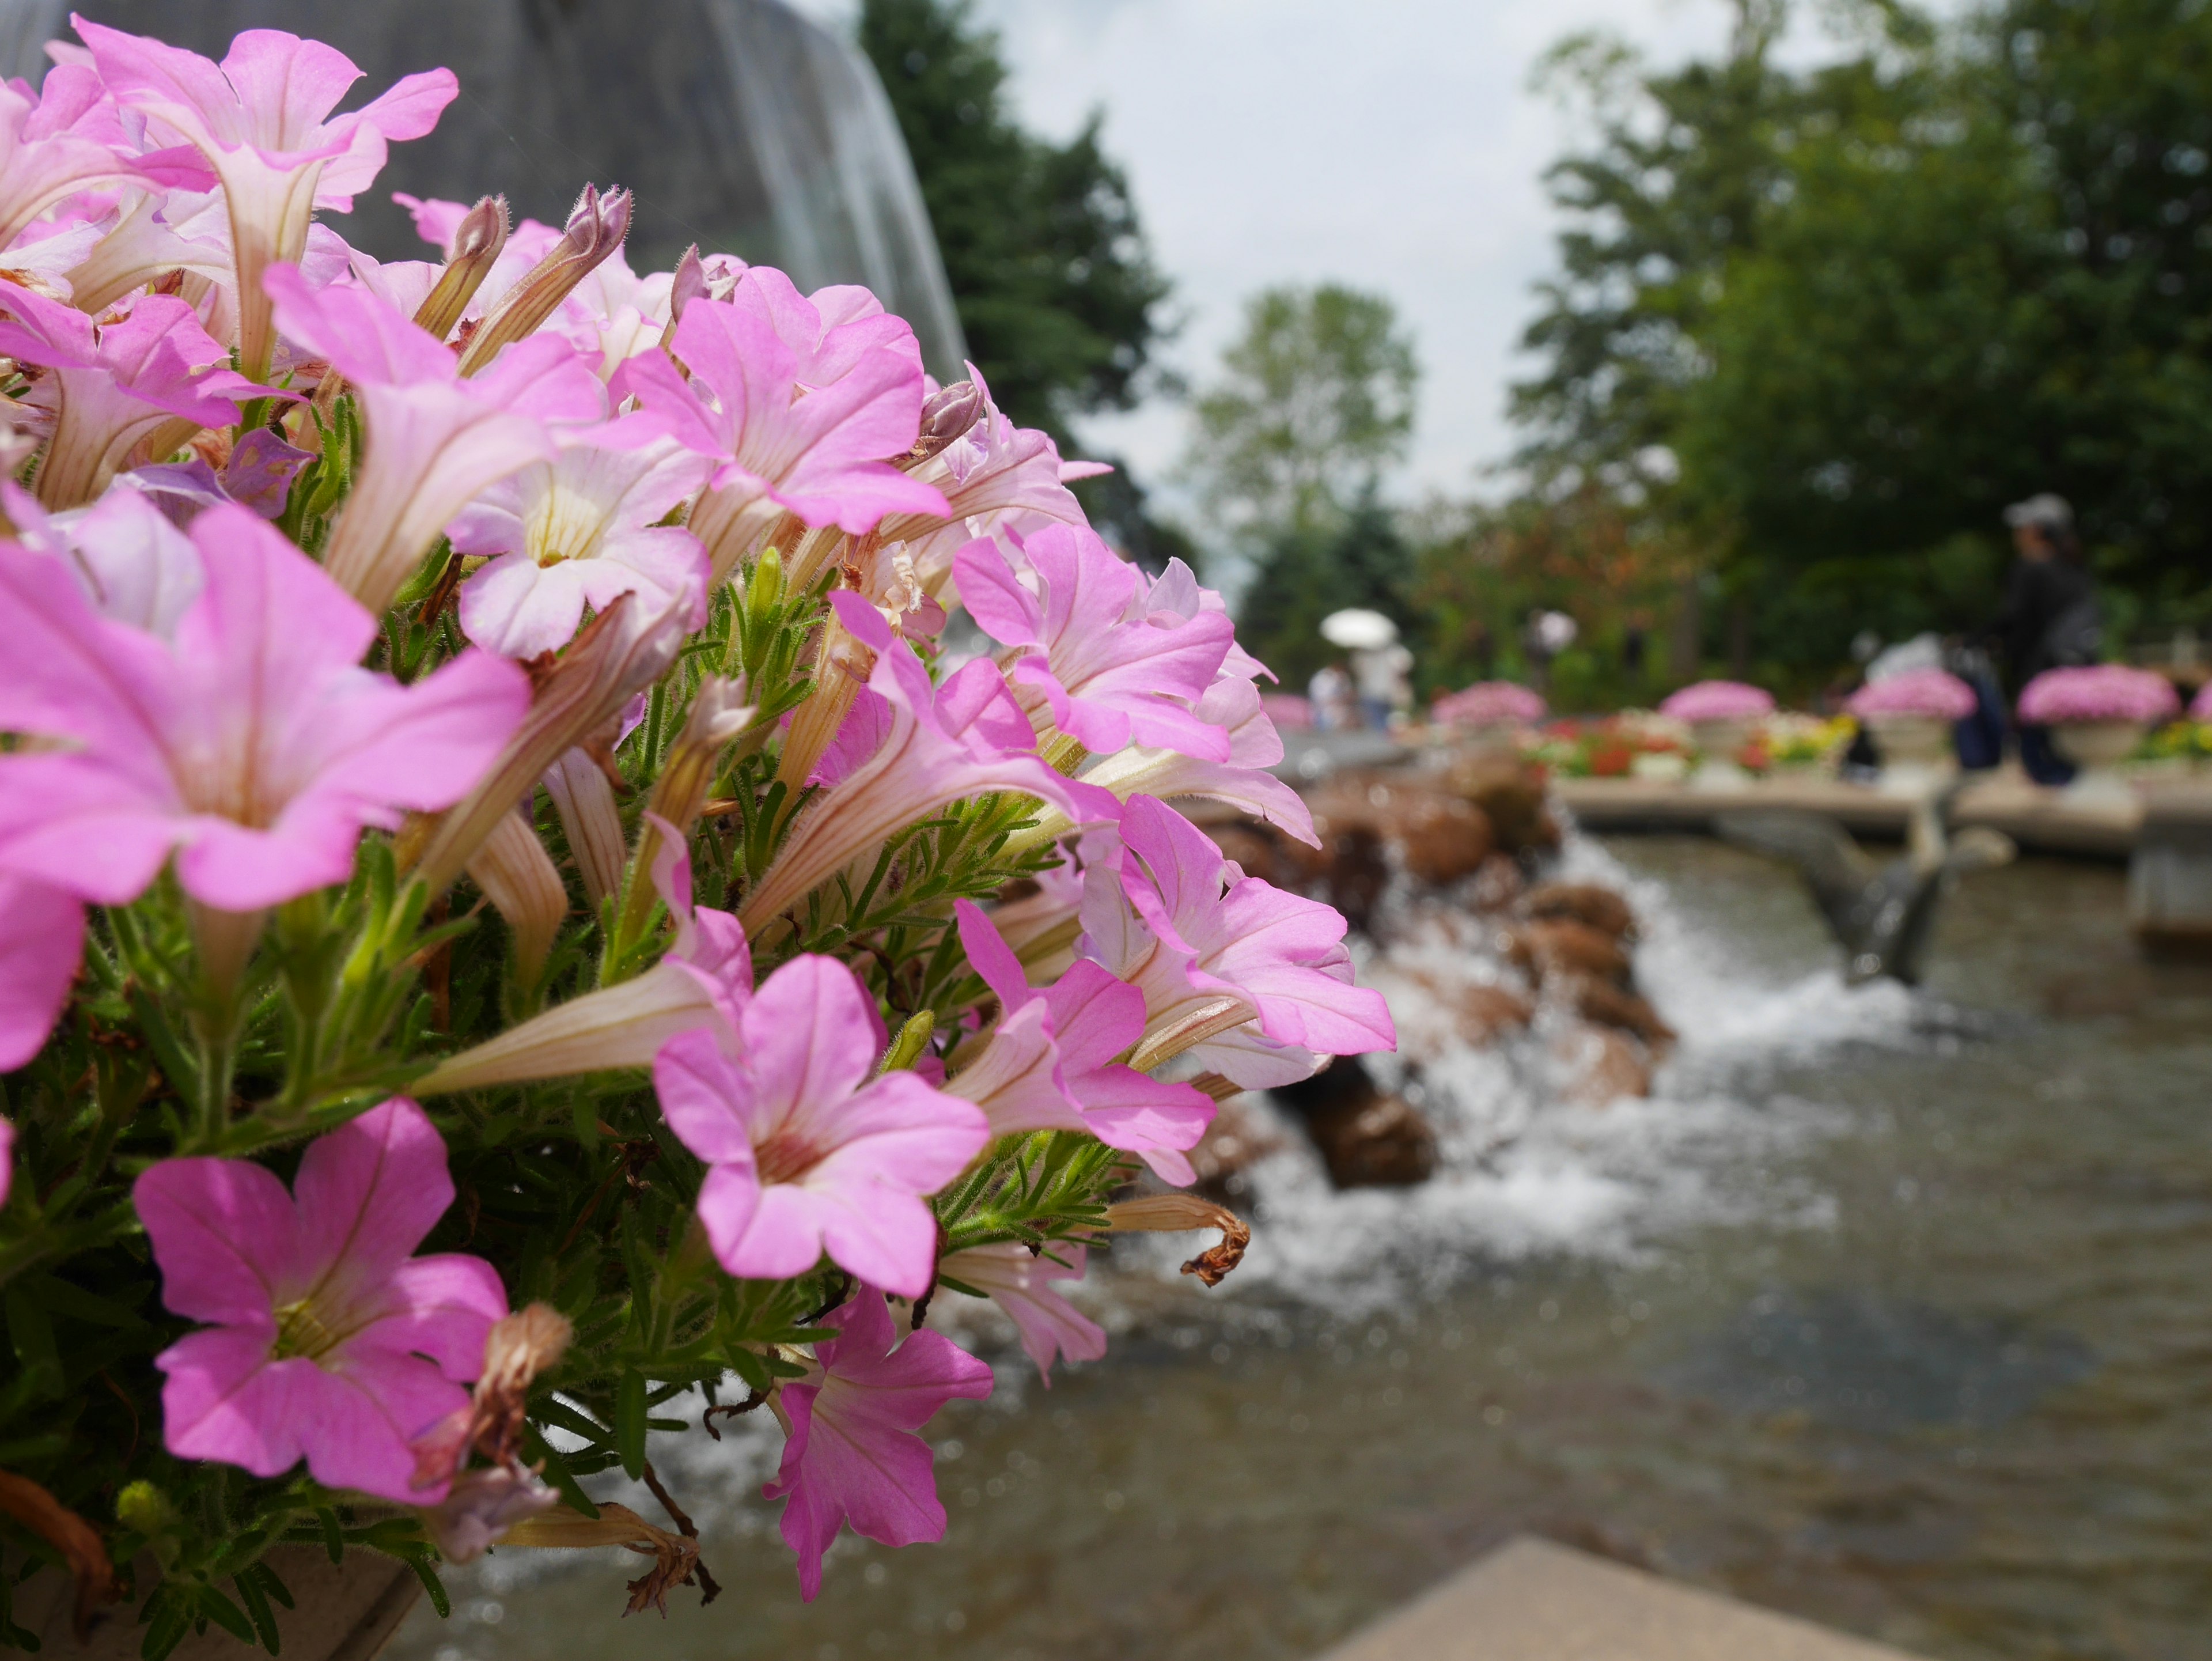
1523,1170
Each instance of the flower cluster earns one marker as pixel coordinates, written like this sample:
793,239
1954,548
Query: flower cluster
1717,700
501,891
1936,694
2109,691
1488,704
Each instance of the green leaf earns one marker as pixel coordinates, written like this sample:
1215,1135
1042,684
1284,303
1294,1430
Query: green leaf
431,1584
536,1451
333,1537
169,1616
257,1611
33,1335
630,1423
225,1613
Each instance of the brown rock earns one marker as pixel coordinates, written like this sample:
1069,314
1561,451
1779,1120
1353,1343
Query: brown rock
1257,848
1479,1011
1238,1139
1511,797
1607,1005
1602,1065
1586,902
1541,950
1365,1139
1440,838
1349,866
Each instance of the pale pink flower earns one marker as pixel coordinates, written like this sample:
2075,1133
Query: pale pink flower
577,530
434,441
112,385
252,742
938,744
851,1455
701,984
41,945
1237,707
817,449
326,1338
1112,672
131,562
2104,692
1196,935
262,119
1019,1282
805,1153
1488,704
1050,1063
1717,700
44,158
159,231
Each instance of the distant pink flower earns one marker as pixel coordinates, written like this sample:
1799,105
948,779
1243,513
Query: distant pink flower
326,1338
42,162
253,743
805,1153
851,1455
577,530
938,744
262,119
2200,707
112,385
1718,700
1237,708
1112,672
1489,703
41,945
1174,921
2106,692
1019,1282
1287,709
701,984
816,448
434,441
1935,693
1051,1065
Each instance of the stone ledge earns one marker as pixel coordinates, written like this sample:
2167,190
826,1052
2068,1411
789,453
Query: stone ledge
1533,1601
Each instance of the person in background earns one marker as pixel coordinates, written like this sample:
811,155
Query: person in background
1329,691
2049,617
1383,676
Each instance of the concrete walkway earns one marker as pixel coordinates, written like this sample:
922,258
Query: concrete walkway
1533,1601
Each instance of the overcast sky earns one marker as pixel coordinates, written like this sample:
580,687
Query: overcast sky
1395,145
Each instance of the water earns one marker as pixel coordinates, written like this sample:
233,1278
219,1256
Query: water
1889,1310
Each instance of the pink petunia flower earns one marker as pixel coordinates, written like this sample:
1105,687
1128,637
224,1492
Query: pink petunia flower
262,119
45,159
112,385
1237,707
800,417
434,441
1050,1063
252,742
1019,1282
701,984
41,944
1212,950
326,1339
851,1455
1112,672
937,746
577,530
806,1154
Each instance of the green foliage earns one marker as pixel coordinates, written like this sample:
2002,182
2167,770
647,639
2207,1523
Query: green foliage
1056,289
1314,401
1304,574
1863,305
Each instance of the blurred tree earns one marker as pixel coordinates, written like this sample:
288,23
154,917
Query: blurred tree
1827,321
1316,399
1305,573
1055,287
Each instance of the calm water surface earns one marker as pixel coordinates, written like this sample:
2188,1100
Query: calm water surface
1891,1311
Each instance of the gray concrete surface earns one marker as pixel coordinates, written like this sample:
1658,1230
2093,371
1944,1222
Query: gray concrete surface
1533,1601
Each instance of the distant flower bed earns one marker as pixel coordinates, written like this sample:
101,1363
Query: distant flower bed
1791,740
1718,700
2200,707
1934,693
1287,709
1624,746
1487,704
2187,741
2109,691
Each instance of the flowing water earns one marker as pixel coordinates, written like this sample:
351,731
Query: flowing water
1891,1309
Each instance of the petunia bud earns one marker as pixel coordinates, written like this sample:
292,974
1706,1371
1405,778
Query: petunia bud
477,241
517,875
584,796
947,416
719,713
689,283
623,650
596,229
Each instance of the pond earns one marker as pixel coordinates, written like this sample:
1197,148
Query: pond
1891,1309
